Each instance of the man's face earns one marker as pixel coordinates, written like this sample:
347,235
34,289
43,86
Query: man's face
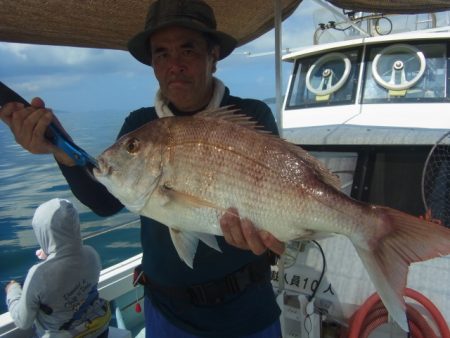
183,66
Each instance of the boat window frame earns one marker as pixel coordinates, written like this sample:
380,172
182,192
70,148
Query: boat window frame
353,77
368,59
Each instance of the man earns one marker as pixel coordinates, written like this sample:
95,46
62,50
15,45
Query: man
227,294
59,297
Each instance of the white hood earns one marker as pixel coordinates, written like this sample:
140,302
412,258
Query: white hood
56,225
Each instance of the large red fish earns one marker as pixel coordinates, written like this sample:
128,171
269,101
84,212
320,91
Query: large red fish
185,172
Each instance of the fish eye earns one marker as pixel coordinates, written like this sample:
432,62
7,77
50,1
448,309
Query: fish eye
132,145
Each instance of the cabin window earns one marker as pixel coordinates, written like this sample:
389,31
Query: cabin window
406,73
325,79
382,175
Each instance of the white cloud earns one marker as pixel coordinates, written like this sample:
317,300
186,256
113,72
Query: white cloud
42,83
37,59
71,56
297,30
15,49
39,54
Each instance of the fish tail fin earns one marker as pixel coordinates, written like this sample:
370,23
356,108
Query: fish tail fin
402,239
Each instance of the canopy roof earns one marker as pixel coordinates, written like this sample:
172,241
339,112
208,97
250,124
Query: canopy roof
393,6
110,23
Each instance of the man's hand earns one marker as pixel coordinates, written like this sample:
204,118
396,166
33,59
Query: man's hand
29,125
244,235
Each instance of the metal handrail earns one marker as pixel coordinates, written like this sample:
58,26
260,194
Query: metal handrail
101,232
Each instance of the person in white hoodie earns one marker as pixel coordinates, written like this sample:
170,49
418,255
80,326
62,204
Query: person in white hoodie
59,296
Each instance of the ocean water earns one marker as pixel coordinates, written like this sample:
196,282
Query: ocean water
27,180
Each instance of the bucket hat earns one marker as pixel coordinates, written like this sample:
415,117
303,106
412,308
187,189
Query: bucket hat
192,14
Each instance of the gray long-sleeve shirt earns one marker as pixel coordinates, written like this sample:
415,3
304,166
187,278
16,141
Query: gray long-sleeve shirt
61,282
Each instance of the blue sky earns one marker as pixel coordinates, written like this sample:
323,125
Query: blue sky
82,79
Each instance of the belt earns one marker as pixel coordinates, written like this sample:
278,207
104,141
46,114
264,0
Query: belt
216,291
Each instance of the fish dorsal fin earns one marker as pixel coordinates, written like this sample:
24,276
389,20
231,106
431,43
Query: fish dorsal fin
219,113
229,113
319,168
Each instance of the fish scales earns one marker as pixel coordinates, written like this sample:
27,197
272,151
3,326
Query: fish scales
185,172
229,168
243,172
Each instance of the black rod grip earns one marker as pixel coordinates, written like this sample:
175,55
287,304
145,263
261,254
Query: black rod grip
8,95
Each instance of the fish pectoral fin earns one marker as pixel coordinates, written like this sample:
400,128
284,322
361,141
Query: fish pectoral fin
310,235
186,245
305,234
209,240
187,199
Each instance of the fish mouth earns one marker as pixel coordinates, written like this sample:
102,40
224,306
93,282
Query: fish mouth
103,168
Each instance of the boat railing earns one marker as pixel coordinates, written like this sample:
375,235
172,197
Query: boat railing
110,229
